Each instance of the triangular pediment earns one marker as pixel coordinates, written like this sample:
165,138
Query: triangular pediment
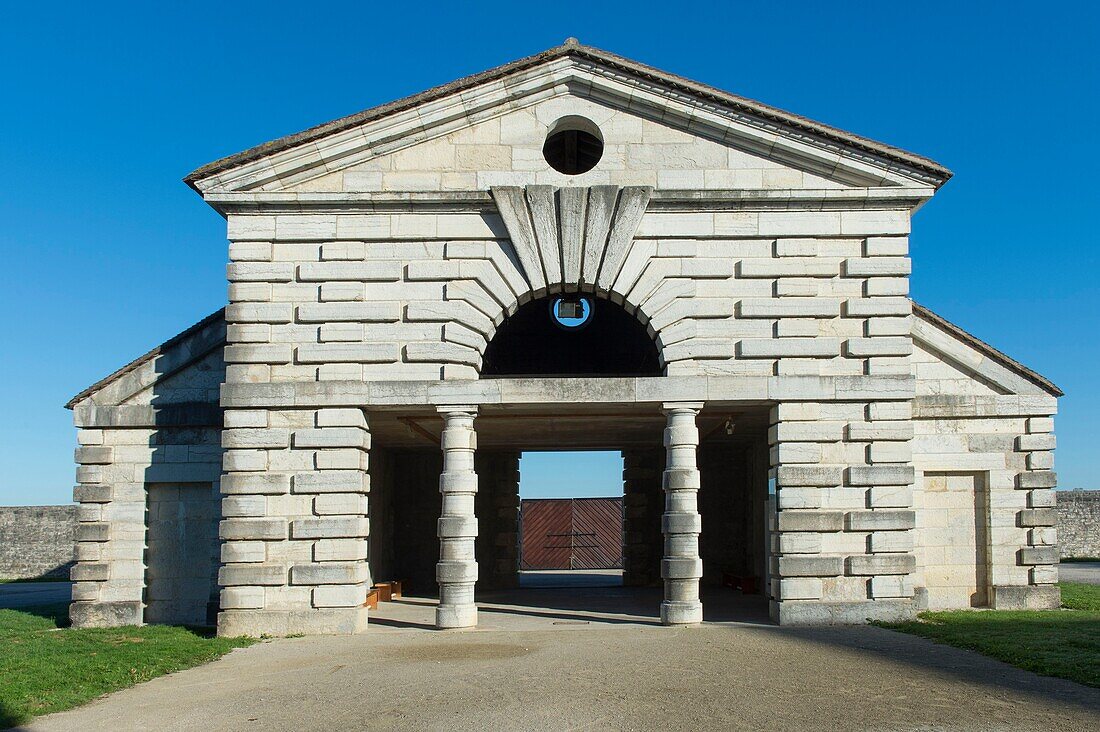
488,129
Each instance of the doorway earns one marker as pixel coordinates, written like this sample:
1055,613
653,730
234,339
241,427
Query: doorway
571,519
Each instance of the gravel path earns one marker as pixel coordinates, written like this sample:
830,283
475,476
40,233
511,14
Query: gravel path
598,677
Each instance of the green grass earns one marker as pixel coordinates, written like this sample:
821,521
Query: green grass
1071,560
32,579
45,667
1063,643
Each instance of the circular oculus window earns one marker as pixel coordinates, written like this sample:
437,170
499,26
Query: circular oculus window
571,313
573,145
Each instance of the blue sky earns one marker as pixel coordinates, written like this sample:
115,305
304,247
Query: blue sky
108,105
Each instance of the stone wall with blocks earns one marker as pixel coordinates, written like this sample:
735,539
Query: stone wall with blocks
1079,524
1003,446
294,529
984,455
841,536
115,468
419,296
154,422
36,541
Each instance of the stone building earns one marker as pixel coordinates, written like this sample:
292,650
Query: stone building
569,251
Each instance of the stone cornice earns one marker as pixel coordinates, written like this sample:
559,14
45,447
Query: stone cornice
824,199
713,390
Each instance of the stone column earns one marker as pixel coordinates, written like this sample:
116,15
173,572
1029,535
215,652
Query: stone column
681,567
456,571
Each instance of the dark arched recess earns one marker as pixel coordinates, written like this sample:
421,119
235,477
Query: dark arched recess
530,343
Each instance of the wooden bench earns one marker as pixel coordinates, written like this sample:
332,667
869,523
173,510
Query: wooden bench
383,592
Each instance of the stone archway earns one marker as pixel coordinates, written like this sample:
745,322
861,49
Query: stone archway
612,342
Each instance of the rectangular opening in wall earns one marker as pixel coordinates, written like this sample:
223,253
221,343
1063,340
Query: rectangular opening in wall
952,539
571,518
181,555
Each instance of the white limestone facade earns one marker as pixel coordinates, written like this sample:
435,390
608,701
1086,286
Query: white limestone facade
374,260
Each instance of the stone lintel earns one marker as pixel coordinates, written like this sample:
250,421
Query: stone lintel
714,390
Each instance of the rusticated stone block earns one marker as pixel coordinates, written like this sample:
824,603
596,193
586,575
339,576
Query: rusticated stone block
266,529
251,438
891,541
898,585
329,573
841,613
1030,555
271,575
93,532
90,572
1037,517
255,483
872,475
90,455
799,588
1037,479
880,520
1035,442
798,475
820,521
1026,597
339,596
242,598
807,566
872,564
332,437
92,493
105,614
333,527
332,481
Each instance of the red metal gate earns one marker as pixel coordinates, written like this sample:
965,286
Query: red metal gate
571,533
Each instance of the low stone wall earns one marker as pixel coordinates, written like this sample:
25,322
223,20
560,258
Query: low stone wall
36,541
1079,523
